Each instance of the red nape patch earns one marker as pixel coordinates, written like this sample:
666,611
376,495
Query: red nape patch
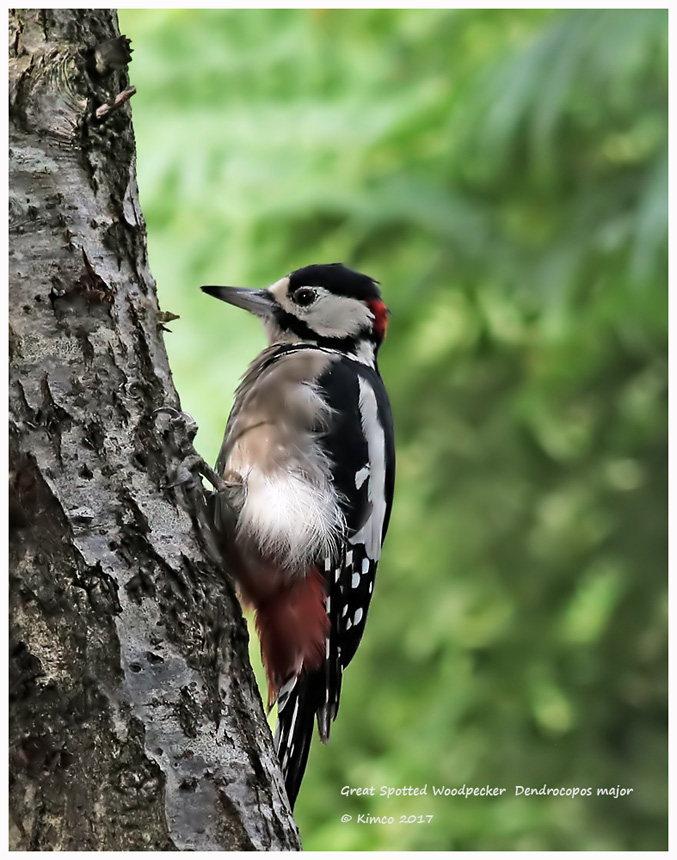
380,312
292,626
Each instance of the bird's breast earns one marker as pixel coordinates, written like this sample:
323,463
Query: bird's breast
291,512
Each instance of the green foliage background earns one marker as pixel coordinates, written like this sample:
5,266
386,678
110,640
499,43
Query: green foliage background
504,175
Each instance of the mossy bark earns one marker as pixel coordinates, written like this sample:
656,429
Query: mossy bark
135,719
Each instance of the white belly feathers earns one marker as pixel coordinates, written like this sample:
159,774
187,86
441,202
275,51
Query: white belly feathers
291,519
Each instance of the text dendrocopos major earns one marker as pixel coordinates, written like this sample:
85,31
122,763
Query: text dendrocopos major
309,450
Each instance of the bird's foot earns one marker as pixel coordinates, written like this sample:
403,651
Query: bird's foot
183,422
180,432
193,465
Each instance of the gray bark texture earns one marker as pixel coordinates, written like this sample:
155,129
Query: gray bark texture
135,719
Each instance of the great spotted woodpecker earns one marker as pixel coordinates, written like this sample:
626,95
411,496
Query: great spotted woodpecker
309,454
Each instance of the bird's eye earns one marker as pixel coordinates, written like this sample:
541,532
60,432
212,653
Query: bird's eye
305,296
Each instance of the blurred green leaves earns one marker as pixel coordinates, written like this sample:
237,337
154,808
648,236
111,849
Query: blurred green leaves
503,173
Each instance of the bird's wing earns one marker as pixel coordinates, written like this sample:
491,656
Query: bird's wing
359,443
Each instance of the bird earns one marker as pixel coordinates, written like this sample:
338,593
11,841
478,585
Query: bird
309,458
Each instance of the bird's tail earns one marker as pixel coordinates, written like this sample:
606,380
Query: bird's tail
293,627
297,706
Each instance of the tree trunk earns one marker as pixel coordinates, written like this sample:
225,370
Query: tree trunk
135,719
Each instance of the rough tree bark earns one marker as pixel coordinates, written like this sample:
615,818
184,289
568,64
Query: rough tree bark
135,720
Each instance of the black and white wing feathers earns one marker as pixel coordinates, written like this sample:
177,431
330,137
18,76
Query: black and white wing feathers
360,446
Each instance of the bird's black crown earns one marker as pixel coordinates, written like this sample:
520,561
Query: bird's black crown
336,278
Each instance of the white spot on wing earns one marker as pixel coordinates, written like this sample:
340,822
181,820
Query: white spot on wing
361,476
356,580
358,615
365,565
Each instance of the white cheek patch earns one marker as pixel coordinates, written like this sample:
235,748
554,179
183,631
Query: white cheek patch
338,316
290,518
329,315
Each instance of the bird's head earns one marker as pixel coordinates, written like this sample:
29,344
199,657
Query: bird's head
328,305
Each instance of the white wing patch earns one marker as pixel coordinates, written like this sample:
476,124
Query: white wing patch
371,533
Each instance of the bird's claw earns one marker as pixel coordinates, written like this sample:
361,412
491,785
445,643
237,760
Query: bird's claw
179,420
228,488
195,464
180,434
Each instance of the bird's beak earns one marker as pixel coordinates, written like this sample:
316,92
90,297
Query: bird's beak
258,302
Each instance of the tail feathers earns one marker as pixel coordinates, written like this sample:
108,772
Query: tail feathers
326,716
295,723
